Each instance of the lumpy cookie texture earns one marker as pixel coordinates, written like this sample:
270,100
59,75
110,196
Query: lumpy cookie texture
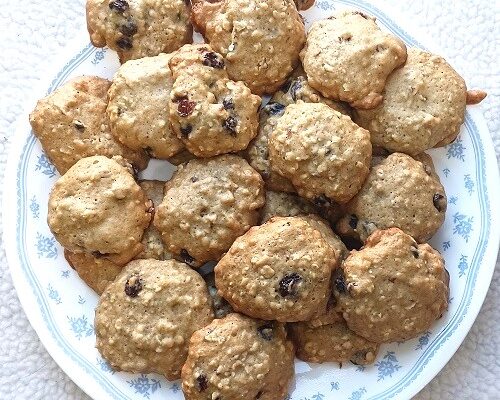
138,107
393,288
71,124
399,192
321,151
260,40
97,207
347,57
279,270
238,358
295,90
423,107
209,203
145,318
139,28
209,112
331,342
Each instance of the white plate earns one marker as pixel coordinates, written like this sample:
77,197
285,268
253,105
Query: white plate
61,308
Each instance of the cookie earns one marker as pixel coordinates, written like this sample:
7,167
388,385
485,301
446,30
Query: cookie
399,192
332,342
145,318
347,57
71,124
393,289
96,272
281,204
97,207
138,107
296,89
321,151
238,358
423,107
208,203
139,28
260,40
209,112
220,305
278,271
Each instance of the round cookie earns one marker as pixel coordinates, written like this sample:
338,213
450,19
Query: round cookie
238,358
210,113
281,204
139,28
220,305
347,57
423,107
399,192
96,272
145,318
97,207
296,89
321,151
208,203
260,40
393,288
331,342
280,270
71,124
138,107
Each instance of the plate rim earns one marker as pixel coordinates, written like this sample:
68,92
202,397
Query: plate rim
71,52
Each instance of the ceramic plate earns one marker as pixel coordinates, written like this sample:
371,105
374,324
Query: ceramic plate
61,308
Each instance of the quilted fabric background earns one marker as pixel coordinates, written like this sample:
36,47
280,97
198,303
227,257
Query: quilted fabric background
34,31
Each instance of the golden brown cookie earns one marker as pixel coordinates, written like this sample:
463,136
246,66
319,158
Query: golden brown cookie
138,107
238,358
139,28
423,107
399,192
209,203
97,207
71,124
393,288
145,318
279,270
321,151
260,40
348,57
209,112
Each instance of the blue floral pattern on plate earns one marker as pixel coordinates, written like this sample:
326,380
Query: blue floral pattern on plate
66,305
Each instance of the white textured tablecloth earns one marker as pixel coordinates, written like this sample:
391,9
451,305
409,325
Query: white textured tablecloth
36,30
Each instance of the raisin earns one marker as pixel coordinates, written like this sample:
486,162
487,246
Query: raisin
185,107
353,221
194,179
266,331
187,258
201,382
259,395
119,6
230,124
296,85
79,125
186,130
439,202
228,104
129,28
339,281
288,284
133,285
211,59
414,251
124,43
274,108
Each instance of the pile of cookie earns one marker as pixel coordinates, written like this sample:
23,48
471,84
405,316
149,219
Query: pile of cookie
315,206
